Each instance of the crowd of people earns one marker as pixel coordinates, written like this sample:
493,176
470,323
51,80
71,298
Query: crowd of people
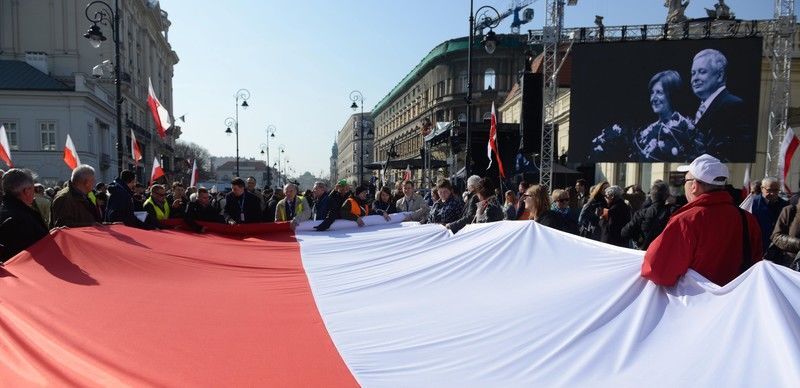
625,217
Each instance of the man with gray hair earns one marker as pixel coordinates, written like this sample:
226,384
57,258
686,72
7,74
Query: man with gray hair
20,224
614,217
721,114
293,207
470,205
767,207
321,200
650,221
71,206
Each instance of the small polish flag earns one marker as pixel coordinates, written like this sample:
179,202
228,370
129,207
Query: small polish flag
71,157
788,147
407,173
491,146
195,174
157,172
135,150
160,114
5,149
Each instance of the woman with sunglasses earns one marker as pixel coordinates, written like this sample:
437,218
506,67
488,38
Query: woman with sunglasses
537,203
561,206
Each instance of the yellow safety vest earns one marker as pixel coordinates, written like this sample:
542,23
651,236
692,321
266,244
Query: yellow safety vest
298,200
161,214
92,198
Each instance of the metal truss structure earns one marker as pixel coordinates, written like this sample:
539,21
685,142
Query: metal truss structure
778,36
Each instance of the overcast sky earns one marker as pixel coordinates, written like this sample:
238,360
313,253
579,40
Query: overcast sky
301,59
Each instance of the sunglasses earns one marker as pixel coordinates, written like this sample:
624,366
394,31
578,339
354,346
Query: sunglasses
563,200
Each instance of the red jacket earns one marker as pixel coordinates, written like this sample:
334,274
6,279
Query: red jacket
706,236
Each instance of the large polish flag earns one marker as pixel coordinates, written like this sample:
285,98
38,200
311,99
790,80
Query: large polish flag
504,304
788,147
5,149
159,113
71,157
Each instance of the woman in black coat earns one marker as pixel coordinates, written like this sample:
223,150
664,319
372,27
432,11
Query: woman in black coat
613,219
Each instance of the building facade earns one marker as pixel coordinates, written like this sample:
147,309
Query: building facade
48,36
435,91
356,133
334,171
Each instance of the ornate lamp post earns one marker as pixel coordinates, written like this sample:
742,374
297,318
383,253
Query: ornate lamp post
244,95
490,44
356,97
104,16
265,147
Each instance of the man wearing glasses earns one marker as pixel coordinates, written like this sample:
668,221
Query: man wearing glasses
767,207
710,234
156,206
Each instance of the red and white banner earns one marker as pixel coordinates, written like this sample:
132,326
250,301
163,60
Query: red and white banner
788,148
5,149
135,150
491,146
157,171
160,114
195,174
496,305
71,157
407,173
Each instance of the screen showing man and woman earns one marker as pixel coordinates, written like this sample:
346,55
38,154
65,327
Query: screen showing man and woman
665,101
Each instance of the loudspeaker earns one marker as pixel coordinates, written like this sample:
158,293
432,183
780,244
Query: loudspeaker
530,127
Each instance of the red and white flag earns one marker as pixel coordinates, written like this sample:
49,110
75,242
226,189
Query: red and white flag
160,114
492,145
5,149
195,174
746,182
157,172
71,157
135,150
788,147
407,173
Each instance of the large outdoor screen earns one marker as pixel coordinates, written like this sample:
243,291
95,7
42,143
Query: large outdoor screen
665,101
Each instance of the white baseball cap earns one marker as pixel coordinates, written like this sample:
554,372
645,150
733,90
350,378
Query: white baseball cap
708,169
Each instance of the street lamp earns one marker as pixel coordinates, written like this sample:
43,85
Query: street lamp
357,98
490,44
270,134
281,150
244,95
103,16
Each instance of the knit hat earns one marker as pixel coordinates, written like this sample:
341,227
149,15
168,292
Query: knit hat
341,182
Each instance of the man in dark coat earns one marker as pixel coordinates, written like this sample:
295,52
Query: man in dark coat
336,199
614,218
120,206
201,210
649,222
720,118
20,224
470,206
71,206
321,201
241,206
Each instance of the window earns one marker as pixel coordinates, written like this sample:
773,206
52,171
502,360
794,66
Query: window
47,131
463,81
489,79
11,133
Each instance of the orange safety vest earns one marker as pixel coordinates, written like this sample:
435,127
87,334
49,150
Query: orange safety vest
356,210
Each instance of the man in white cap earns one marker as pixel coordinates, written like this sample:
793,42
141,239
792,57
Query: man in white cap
710,234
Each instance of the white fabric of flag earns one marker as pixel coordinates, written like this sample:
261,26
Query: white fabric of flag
514,303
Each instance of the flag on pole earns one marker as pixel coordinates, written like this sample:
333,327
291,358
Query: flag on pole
492,145
135,150
195,174
160,114
157,172
788,147
5,149
746,182
71,154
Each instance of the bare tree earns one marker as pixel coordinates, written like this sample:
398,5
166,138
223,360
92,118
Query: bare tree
185,154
